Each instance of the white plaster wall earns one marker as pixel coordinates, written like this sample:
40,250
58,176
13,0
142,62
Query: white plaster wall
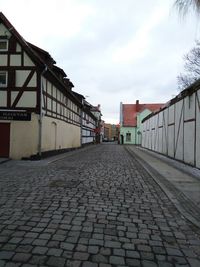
33,81
177,137
15,60
3,98
189,142
171,114
67,135
189,107
18,48
198,130
4,30
3,60
24,138
27,61
28,99
21,76
179,130
160,140
165,131
171,141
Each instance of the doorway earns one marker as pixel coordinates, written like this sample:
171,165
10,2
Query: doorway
4,140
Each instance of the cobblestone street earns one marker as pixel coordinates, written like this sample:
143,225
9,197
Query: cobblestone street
95,207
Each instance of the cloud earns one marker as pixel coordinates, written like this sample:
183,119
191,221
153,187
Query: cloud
139,44
112,50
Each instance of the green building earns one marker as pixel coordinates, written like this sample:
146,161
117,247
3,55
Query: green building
131,116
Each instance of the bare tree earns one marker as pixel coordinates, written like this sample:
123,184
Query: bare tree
191,67
184,5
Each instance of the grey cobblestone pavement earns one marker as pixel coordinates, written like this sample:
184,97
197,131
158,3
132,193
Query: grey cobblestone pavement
95,207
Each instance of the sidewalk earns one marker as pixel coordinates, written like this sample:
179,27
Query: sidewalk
180,182
2,160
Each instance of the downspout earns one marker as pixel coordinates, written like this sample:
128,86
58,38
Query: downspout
81,124
40,115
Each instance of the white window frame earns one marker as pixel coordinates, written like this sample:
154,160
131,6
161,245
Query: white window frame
128,137
6,73
4,40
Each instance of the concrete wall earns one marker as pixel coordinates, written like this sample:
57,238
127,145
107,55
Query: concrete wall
57,134
175,130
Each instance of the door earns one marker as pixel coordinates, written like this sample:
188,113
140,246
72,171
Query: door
53,136
4,140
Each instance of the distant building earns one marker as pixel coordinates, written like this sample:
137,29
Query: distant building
110,132
131,116
96,111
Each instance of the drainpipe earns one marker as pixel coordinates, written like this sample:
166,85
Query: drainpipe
40,115
81,125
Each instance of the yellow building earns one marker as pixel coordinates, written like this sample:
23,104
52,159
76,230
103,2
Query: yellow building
38,111
110,132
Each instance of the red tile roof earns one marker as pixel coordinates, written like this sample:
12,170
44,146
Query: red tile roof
130,112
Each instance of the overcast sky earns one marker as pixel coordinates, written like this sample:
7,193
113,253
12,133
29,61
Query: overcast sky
112,50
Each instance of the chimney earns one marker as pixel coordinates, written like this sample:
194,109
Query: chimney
137,105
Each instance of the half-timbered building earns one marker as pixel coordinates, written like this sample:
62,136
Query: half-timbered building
38,111
89,122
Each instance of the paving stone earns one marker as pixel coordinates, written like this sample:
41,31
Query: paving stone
82,256
116,260
89,264
67,246
132,254
193,262
39,242
56,261
146,255
96,242
24,248
82,248
2,263
8,246
38,260
93,249
40,250
174,252
104,265
133,262
73,263
146,263
15,240
12,264
55,252
21,257
119,252
129,246
105,251
99,258
112,244
6,255
166,264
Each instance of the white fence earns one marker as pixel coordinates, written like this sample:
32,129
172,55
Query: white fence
175,130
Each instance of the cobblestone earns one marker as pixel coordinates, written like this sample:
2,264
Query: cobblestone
116,215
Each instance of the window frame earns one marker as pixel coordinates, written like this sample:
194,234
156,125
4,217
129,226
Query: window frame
128,137
1,41
6,84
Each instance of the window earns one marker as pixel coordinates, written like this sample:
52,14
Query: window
3,45
3,79
128,137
